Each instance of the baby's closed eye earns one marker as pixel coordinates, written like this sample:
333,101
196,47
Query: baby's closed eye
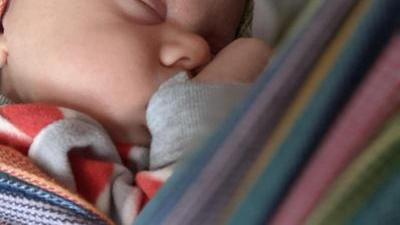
146,12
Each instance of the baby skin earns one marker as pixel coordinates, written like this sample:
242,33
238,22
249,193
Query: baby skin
107,58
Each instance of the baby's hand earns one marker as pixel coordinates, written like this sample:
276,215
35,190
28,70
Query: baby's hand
242,61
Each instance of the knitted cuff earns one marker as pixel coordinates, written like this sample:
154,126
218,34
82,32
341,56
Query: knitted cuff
183,114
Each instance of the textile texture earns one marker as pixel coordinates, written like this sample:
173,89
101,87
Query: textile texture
371,106
307,91
182,114
20,179
184,201
262,112
319,113
77,154
354,189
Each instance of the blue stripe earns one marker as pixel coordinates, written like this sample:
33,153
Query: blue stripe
367,41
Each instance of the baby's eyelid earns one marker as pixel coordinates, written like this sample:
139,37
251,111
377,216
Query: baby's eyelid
139,11
152,10
159,6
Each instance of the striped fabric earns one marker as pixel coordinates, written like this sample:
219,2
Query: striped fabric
378,97
300,150
17,208
383,208
20,176
273,100
76,153
201,190
289,157
273,18
353,190
263,112
309,89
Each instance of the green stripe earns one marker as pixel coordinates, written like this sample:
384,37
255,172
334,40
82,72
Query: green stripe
384,207
361,180
356,58
302,20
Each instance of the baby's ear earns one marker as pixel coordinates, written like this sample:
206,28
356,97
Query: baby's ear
3,46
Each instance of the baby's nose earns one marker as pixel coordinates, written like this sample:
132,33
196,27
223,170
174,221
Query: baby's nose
183,49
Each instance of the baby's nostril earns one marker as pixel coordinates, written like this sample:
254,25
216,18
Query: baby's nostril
185,62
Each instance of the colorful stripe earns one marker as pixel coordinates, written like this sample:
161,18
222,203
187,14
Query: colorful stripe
362,179
18,191
383,208
350,67
325,64
18,173
79,160
259,120
244,173
371,106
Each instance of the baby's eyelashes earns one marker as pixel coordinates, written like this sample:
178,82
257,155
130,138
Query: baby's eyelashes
142,11
153,13
158,6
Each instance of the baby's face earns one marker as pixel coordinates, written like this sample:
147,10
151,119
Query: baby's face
102,57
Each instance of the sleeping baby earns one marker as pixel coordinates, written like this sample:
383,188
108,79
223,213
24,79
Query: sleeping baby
106,95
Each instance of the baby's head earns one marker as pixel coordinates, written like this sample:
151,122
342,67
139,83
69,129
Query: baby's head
107,57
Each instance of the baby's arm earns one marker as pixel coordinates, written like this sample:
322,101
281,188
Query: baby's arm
242,61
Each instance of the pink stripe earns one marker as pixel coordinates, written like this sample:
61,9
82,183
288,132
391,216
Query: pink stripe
367,112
